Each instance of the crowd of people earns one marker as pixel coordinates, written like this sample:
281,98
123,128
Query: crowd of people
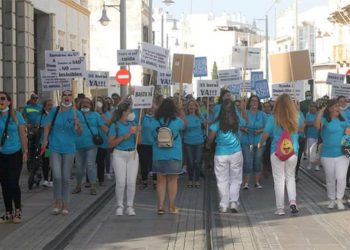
239,139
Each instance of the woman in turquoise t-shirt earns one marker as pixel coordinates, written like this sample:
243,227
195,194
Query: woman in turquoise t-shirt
13,152
228,160
335,164
193,140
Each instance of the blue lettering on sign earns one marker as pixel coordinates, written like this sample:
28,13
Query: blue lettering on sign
200,67
235,89
256,76
262,89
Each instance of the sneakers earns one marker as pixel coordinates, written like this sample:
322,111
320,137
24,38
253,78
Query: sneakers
190,184
280,212
258,186
197,184
6,218
234,207
50,184
331,204
119,211
45,184
108,176
340,204
56,211
223,209
17,218
246,186
93,190
130,211
293,209
309,167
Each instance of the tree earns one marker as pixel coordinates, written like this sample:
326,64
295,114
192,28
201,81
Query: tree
214,73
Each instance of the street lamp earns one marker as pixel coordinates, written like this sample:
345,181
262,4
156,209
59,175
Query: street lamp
104,20
168,2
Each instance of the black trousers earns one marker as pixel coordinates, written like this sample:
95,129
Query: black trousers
101,163
146,160
10,172
46,167
302,144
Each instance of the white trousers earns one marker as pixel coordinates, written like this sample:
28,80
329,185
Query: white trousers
284,176
335,170
125,171
228,171
309,142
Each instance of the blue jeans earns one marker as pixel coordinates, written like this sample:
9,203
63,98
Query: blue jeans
252,159
194,157
86,159
61,165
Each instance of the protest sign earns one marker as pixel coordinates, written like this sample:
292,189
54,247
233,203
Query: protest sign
244,57
143,97
200,67
128,57
154,57
182,68
235,89
97,79
298,90
229,76
208,88
256,76
71,67
50,60
49,83
164,79
340,89
247,87
333,78
262,89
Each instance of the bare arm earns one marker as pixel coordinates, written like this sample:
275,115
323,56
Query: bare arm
210,139
318,123
264,138
114,141
24,141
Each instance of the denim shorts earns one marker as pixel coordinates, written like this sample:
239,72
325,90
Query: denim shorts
167,167
252,163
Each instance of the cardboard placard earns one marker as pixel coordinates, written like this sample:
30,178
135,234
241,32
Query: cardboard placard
262,89
288,88
49,83
154,57
182,68
256,76
164,79
239,59
208,88
50,60
71,67
291,67
200,67
247,87
97,79
143,97
128,57
340,89
235,89
229,76
333,78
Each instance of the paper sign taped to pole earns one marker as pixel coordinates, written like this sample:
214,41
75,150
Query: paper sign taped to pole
50,60
235,89
49,83
291,67
164,79
333,78
340,89
128,57
208,88
143,97
288,88
200,67
229,76
97,79
154,57
71,67
262,89
182,68
239,56
256,76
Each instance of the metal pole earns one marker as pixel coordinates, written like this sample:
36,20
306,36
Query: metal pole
162,31
150,20
267,47
296,26
122,7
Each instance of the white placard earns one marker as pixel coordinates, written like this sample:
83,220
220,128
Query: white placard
229,76
340,89
143,97
71,67
253,57
288,88
128,57
49,83
333,78
154,57
50,60
164,79
97,79
208,88
247,87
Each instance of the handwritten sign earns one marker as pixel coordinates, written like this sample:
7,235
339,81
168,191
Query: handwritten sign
71,67
200,67
49,83
229,76
50,60
256,76
154,57
208,88
262,89
128,57
340,89
164,79
252,59
288,88
143,97
97,79
333,78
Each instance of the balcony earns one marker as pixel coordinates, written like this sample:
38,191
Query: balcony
341,15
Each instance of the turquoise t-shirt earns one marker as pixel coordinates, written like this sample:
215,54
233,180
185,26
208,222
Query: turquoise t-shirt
95,122
13,141
194,134
119,129
332,133
146,131
32,112
346,114
301,120
102,133
226,143
174,153
312,132
40,123
255,122
211,117
62,138
275,132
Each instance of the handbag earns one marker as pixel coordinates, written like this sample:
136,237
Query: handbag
97,139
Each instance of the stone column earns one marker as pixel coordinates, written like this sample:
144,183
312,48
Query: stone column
1,51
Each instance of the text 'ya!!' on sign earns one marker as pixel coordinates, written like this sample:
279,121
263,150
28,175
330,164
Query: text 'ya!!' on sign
333,78
143,97
292,89
229,76
128,57
200,67
244,57
262,89
208,88
164,79
340,89
71,67
154,57
50,60
97,79
49,83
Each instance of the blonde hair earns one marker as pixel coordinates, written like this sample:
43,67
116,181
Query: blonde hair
197,112
286,113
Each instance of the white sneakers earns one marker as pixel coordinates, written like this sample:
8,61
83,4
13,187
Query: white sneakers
317,168
234,207
280,212
129,211
119,211
338,203
246,186
223,209
331,204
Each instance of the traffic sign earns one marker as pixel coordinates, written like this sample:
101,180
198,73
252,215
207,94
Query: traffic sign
123,76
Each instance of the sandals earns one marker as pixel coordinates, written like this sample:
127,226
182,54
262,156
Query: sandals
174,210
17,218
76,190
6,218
64,212
189,184
161,212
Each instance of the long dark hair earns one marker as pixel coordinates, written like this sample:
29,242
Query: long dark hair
44,105
250,99
327,113
122,107
11,109
166,110
222,93
228,119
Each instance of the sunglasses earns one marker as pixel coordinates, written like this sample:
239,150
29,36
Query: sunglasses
67,95
3,98
35,97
